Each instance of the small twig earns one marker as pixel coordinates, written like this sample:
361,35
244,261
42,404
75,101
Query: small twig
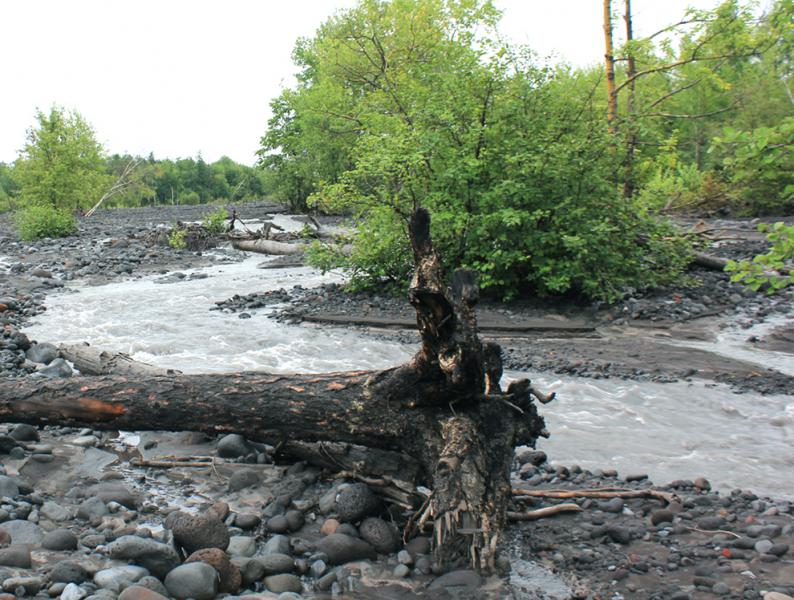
542,513
714,531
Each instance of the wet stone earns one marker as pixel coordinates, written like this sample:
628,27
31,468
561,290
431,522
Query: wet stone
117,578
15,556
342,548
59,540
197,580
283,583
68,572
276,563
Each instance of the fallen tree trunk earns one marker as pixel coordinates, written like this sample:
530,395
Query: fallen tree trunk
264,246
709,261
444,410
94,361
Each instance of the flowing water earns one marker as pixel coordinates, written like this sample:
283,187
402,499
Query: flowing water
669,431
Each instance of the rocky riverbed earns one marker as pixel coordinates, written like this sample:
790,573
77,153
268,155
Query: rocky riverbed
86,514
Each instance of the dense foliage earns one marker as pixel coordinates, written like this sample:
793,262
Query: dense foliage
418,104
403,103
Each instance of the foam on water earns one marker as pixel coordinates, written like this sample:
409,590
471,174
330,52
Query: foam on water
670,431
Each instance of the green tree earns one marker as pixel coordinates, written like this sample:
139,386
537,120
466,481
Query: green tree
62,164
425,107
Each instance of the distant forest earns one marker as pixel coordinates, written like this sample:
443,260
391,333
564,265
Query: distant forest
164,181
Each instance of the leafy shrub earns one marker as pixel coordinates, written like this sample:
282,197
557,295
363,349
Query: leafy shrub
176,239
44,221
760,164
215,222
758,272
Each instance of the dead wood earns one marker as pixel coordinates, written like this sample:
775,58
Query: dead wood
542,513
93,361
665,497
708,261
264,246
444,411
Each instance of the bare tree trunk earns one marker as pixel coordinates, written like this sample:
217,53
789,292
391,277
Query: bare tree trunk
609,57
631,132
444,410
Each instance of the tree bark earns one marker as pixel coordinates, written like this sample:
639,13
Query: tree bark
609,63
631,132
444,410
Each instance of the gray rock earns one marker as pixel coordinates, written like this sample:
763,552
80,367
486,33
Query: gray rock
614,505
59,540
8,487
278,524
247,521
233,446
251,569
152,583
342,548
278,544
43,353
118,578
662,515
355,502
401,571
295,519
23,532
763,546
72,591
619,534
15,556
318,569
113,491
711,523
383,537
25,433
404,557
55,512
243,479
7,444
283,583
241,545
461,580
194,532
57,368
276,563
92,508
418,545
31,585
67,571
155,556
289,596
195,580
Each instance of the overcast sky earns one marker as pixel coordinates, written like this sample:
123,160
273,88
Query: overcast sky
179,77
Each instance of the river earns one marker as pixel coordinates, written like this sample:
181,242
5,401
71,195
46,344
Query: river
669,431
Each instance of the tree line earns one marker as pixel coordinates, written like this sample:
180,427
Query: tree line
63,166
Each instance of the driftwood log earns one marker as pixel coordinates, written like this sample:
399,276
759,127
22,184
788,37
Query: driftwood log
443,413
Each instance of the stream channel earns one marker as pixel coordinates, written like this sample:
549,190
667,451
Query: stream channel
669,431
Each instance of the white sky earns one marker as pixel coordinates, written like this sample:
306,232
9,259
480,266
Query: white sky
179,77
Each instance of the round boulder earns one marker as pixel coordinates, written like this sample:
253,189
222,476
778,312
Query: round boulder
355,502
194,532
380,534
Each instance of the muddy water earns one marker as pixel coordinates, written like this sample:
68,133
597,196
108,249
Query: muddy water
669,431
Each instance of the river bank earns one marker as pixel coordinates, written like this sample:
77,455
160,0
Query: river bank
704,544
